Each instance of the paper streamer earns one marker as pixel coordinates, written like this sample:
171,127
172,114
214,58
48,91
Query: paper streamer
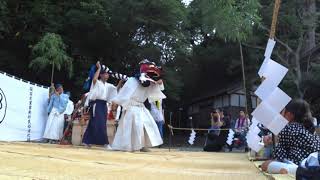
192,137
230,137
273,100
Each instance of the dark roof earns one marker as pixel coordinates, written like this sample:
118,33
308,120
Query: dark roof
227,90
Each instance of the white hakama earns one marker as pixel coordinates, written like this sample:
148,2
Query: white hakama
54,126
137,128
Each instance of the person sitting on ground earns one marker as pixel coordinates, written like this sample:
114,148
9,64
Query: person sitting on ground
215,141
242,123
241,127
295,142
215,122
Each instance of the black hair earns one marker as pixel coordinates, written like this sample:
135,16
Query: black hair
58,85
147,104
215,118
302,113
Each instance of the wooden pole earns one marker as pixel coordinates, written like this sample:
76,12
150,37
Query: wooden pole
243,78
170,132
271,36
52,72
51,89
274,18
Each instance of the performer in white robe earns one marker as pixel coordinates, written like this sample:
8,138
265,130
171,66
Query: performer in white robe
100,93
137,129
57,105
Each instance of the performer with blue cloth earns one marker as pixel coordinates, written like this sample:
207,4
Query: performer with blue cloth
100,93
57,105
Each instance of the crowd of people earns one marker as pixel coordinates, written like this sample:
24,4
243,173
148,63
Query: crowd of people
294,151
138,127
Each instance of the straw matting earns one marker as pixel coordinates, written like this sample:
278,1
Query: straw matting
44,161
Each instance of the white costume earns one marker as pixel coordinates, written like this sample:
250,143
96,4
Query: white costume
137,128
55,123
156,112
69,109
54,126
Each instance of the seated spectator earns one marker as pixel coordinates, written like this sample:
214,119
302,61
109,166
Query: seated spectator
295,142
225,119
215,122
216,138
309,168
242,123
241,126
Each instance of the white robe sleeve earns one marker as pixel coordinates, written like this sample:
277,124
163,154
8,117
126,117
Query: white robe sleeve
69,109
155,93
126,92
112,92
161,87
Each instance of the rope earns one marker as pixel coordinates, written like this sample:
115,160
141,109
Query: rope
274,18
201,129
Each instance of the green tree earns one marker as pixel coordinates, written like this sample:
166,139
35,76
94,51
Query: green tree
3,18
215,29
227,19
296,36
51,51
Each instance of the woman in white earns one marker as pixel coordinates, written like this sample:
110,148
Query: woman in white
137,129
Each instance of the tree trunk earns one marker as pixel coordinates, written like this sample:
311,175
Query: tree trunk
310,19
308,38
298,73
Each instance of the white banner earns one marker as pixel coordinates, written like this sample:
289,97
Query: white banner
23,109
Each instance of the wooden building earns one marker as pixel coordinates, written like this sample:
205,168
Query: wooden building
230,100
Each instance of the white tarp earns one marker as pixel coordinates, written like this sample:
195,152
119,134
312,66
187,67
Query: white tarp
22,109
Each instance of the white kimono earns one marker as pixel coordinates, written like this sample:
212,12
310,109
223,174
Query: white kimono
55,122
137,128
54,126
